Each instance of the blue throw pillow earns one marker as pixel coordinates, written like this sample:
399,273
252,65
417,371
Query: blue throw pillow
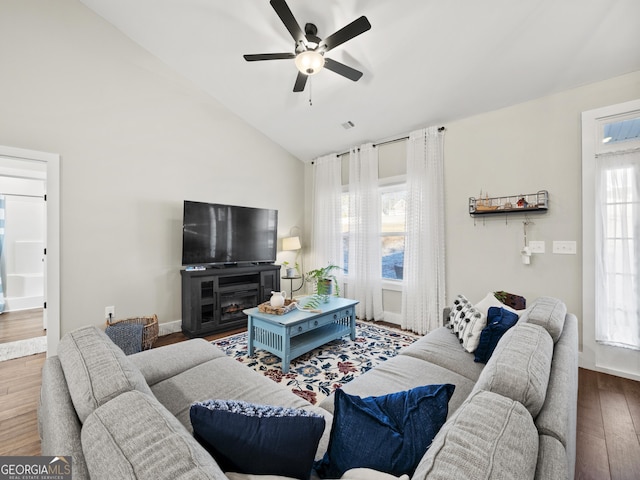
258,439
499,321
389,433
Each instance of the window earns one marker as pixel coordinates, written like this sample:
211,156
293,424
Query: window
393,203
393,231
617,240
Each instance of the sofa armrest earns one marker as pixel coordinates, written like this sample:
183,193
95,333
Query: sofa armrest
58,424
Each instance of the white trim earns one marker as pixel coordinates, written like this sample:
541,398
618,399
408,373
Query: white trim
52,284
169,327
392,317
602,358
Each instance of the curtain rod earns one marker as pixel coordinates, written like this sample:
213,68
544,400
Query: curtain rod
440,129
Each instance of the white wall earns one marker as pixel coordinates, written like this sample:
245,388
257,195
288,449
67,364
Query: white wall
135,140
520,149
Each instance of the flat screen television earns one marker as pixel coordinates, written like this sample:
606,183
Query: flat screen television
216,234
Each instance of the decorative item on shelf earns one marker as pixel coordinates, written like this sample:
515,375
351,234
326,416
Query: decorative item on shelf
277,299
291,272
531,202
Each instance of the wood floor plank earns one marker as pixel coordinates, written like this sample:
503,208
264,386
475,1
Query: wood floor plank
21,325
592,462
621,438
632,393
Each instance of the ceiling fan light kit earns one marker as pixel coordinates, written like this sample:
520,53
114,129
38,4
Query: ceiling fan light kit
309,49
309,62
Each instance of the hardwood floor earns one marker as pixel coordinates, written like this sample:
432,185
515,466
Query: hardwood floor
608,430
21,325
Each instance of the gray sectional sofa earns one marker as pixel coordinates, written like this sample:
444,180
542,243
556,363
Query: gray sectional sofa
128,417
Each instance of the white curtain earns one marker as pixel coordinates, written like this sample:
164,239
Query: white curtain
326,238
618,249
365,261
423,296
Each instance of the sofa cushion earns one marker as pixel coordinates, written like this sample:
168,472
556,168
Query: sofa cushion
389,433
466,322
134,437
227,379
548,312
443,349
489,436
403,372
499,320
184,355
519,367
354,474
258,439
96,370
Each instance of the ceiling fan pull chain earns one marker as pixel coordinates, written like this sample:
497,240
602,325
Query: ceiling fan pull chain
310,92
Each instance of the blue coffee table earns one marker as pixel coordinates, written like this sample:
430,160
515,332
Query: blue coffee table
290,335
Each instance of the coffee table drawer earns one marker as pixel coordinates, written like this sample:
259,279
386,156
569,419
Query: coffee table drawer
298,329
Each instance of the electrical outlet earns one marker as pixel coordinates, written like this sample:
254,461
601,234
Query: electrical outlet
537,246
565,247
110,313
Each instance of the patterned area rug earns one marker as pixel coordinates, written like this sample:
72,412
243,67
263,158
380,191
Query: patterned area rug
315,375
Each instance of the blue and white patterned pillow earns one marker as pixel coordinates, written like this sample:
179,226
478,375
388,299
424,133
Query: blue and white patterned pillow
466,322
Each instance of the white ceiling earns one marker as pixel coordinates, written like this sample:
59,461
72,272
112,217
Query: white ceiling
425,62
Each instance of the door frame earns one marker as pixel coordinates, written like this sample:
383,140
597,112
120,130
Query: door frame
594,356
52,246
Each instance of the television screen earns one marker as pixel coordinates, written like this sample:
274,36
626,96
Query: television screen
226,234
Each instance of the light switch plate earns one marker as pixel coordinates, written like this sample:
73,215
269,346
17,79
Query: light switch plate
564,247
537,246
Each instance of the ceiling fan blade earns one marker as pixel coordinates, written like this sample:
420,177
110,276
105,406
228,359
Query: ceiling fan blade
354,29
342,69
269,56
301,81
283,11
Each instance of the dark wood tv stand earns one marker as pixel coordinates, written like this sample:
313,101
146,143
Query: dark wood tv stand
213,299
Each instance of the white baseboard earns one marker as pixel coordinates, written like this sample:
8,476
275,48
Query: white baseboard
392,317
169,327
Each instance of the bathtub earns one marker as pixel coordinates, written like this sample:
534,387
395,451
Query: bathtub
24,291
25,282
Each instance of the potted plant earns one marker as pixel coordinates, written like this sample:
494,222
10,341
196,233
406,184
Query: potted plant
325,280
291,271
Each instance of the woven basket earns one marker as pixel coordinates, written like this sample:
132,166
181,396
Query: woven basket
286,308
149,332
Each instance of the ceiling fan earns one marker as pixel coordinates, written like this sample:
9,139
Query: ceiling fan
310,49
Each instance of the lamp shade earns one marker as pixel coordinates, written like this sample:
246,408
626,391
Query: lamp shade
291,243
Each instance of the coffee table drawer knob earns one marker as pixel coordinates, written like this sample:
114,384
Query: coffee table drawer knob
315,323
299,329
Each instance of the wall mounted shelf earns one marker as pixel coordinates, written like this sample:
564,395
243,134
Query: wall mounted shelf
523,203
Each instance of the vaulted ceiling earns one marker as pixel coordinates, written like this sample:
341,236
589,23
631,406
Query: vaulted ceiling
424,62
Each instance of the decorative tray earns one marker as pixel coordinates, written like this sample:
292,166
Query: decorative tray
267,308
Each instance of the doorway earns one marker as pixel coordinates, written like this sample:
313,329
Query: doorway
31,322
